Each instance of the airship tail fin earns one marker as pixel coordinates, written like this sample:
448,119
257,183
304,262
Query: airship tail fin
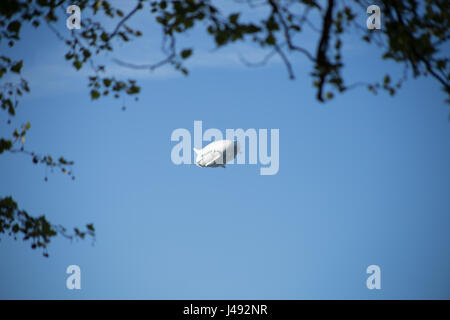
197,151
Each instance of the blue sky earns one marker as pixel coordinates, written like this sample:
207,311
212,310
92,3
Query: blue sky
363,180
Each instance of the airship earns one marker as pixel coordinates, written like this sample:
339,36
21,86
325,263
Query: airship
217,153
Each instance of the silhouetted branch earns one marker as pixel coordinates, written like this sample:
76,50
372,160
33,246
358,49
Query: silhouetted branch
322,64
128,16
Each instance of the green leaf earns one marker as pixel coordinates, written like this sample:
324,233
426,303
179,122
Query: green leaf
15,228
107,82
14,26
11,110
95,94
77,64
133,90
270,40
104,36
2,71
234,18
17,67
86,53
5,59
5,145
186,53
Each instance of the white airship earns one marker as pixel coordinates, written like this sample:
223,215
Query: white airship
217,153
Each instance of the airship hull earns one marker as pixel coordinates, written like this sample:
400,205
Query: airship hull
217,153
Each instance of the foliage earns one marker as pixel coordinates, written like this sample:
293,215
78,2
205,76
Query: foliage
39,230
413,34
